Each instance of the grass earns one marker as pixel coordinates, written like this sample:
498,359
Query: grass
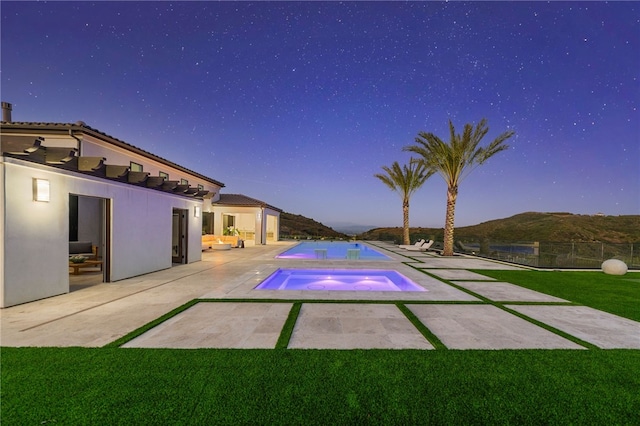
161,386
111,385
619,295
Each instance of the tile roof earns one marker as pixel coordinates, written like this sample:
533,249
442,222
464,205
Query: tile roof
81,126
66,159
243,201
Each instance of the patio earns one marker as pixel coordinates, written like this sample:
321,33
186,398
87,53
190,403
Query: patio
469,312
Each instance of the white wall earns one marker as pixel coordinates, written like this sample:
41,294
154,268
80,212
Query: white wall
35,239
2,229
245,221
35,243
273,226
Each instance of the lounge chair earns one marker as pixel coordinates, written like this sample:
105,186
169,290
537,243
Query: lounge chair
416,244
423,247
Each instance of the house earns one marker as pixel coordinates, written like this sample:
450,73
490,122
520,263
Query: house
65,182
253,220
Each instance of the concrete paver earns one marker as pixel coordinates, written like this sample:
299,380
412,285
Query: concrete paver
605,330
459,274
354,326
505,292
463,263
486,327
219,325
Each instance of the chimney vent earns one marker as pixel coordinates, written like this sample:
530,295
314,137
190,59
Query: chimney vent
6,112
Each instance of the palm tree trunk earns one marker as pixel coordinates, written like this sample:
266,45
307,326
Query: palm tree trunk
452,195
405,221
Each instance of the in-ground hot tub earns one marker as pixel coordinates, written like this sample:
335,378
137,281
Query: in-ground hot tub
338,280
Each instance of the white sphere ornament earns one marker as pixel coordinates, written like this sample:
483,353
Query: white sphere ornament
614,267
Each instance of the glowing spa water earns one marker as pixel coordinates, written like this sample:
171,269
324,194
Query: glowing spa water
338,280
332,250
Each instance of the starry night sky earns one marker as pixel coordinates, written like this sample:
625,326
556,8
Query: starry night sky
299,104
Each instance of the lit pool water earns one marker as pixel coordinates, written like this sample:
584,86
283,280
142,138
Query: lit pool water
338,280
332,250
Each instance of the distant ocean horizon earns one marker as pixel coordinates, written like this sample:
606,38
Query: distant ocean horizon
351,228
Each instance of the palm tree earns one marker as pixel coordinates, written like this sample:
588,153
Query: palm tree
454,161
405,180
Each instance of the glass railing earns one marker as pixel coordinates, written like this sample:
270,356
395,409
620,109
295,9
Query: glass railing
554,255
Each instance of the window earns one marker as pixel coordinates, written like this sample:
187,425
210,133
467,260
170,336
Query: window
164,175
184,182
207,223
135,167
228,223
200,188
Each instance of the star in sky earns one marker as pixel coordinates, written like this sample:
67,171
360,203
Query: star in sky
299,104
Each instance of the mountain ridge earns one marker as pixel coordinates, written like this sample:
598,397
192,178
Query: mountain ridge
532,226
527,226
298,226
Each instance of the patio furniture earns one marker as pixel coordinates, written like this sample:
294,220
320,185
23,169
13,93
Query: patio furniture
208,240
416,244
83,248
220,246
86,264
422,247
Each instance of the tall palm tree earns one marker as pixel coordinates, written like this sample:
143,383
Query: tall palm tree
454,161
405,181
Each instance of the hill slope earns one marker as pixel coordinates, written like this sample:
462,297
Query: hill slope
531,226
292,225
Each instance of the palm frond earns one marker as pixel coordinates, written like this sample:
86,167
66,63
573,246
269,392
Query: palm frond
405,179
456,159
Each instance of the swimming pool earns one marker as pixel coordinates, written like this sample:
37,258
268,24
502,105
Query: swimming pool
332,250
338,280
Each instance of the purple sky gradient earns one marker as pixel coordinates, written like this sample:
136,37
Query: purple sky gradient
299,104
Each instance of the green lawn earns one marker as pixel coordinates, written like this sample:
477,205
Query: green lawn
143,386
80,386
616,294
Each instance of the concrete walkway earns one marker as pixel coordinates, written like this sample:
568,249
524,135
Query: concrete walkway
97,315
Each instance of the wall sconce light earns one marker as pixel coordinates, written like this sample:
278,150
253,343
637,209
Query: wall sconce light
196,211
41,190
259,215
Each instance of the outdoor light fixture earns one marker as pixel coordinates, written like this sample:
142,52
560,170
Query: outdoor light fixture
41,190
196,211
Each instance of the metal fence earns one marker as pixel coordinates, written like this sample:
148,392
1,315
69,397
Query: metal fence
554,255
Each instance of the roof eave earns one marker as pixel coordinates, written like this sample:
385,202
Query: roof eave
64,128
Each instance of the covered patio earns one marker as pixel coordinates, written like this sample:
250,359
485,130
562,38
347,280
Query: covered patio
254,221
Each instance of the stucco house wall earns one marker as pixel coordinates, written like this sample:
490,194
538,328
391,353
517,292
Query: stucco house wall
36,233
